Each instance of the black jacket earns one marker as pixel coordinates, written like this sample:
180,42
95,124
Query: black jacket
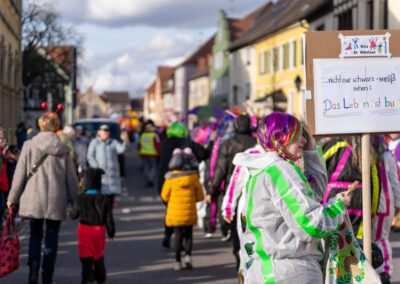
240,142
94,210
169,145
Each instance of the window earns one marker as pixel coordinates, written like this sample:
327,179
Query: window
320,27
235,95
262,62
302,51
276,59
248,54
292,54
370,14
219,60
271,61
345,20
280,57
248,91
385,14
286,56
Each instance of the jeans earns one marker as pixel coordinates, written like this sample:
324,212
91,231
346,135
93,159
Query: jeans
183,239
149,168
50,243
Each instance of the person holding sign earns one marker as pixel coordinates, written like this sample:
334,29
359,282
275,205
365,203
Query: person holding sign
282,220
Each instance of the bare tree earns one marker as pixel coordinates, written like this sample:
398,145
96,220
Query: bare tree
49,48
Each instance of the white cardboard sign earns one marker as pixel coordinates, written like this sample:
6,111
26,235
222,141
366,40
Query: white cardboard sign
365,46
357,96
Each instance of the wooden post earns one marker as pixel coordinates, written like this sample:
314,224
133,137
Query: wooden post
366,193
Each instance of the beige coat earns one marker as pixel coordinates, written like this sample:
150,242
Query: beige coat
46,194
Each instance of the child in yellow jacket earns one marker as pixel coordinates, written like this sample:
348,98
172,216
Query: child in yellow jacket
181,191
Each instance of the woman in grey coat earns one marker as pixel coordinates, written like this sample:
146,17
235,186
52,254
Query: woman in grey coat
43,194
103,153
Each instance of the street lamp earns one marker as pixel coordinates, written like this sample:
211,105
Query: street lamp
302,109
297,83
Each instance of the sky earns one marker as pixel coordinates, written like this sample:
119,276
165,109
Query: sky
125,40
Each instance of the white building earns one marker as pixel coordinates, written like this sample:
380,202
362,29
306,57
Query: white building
242,75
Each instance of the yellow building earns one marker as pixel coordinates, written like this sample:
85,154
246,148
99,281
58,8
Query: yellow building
280,64
10,65
276,38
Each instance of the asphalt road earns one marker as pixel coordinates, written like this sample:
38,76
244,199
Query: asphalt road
136,255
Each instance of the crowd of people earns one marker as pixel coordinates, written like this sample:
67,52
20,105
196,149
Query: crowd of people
55,169
278,194
273,190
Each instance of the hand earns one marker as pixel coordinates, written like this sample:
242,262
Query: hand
228,219
309,144
208,199
248,108
345,198
213,135
124,136
9,205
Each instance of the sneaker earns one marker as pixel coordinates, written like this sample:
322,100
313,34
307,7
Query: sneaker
208,236
226,238
178,266
188,262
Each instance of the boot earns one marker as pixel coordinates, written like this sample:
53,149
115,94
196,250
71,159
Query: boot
34,273
46,278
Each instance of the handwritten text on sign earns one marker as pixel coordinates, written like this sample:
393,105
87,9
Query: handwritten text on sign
357,95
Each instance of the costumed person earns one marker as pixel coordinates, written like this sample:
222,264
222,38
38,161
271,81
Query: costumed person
177,137
225,130
233,202
394,147
149,150
181,191
94,211
343,160
385,181
282,222
44,183
203,135
239,142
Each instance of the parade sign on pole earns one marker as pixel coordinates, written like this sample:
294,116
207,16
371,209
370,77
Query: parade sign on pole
353,83
356,95
349,94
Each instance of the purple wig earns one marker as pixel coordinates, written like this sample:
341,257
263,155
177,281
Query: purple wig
277,131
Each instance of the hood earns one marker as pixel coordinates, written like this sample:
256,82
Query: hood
182,179
50,143
256,162
243,124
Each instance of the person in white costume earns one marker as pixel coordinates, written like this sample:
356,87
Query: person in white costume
282,220
385,180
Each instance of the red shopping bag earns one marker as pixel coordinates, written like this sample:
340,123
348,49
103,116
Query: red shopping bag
9,247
